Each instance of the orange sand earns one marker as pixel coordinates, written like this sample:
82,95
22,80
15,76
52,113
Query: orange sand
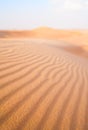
43,83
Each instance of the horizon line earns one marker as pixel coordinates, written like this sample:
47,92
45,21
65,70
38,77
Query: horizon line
43,27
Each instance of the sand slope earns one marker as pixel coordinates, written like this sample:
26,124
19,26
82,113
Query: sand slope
42,87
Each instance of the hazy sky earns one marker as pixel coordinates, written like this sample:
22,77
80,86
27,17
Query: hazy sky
28,14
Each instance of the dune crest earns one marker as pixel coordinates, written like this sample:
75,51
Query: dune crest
78,37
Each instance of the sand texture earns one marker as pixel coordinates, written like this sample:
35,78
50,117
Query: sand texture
43,85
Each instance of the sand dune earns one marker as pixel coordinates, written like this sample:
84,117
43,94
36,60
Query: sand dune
42,86
79,38
16,34
44,32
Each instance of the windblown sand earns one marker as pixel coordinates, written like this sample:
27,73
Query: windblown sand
43,86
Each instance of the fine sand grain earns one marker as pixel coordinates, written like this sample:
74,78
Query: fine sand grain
43,86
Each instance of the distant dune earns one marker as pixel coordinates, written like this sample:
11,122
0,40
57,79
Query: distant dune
42,32
16,34
77,38
48,33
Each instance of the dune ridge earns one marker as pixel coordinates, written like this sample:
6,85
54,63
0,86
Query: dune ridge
42,32
78,38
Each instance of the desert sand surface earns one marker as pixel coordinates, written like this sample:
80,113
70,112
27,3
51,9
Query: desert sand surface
43,83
